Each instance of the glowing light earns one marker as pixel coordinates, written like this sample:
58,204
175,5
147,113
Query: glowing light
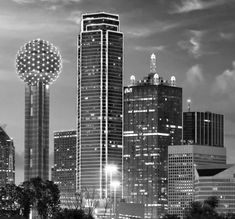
111,168
115,184
38,61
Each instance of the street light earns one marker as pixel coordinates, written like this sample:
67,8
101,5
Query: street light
115,185
110,169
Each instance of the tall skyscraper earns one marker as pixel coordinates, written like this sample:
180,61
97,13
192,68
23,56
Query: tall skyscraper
7,159
152,121
64,171
38,64
203,128
100,67
183,161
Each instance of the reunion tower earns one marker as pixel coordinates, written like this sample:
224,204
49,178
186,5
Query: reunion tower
38,64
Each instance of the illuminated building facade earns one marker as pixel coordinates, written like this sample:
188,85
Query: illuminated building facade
100,67
152,121
38,64
217,181
182,163
7,159
64,171
203,128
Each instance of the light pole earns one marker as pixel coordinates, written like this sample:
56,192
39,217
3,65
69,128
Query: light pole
110,169
115,185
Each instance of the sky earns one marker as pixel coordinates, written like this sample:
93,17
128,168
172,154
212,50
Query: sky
194,40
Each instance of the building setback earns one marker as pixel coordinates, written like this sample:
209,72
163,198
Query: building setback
64,170
218,181
7,159
152,121
100,67
203,128
182,163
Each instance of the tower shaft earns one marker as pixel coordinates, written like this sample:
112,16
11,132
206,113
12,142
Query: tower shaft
36,131
100,54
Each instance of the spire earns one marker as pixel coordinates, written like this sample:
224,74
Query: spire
189,104
153,64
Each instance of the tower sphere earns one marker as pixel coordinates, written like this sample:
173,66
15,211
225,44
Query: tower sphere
38,61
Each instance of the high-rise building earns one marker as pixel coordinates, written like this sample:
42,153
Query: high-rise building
38,64
100,67
64,170
7,159
203,128
152,121
182,163
217,181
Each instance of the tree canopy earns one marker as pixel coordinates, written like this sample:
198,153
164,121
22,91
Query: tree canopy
37,194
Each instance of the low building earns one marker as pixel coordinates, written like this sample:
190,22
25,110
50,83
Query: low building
7,159
130,211
64,169
219,182
182,163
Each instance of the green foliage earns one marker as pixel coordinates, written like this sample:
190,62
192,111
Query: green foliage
171,216
205,210
73,214
36,193
8,201
45,196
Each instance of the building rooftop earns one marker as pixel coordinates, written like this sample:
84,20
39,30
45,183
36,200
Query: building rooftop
152,79
100,15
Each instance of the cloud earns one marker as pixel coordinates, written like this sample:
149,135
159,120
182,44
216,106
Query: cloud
138,32
48,1
224,83
186,6
149,48
24,1
194,76
227,36
149,29
75,17
193,44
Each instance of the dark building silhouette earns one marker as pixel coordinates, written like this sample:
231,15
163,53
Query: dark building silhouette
64,170
203,128
100,67
7,159
152,122
38,64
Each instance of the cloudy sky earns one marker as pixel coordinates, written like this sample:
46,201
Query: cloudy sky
193,40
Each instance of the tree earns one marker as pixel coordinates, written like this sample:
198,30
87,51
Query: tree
171,216
205,210
44,196
8,201
73,214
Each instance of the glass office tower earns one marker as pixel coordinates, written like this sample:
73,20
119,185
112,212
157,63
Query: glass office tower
203,128
100,61
64,171
38,64
152,121
7,159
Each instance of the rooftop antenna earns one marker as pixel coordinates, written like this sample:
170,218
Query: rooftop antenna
132,78
189,104
153,64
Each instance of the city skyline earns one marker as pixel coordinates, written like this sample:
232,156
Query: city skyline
199,54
